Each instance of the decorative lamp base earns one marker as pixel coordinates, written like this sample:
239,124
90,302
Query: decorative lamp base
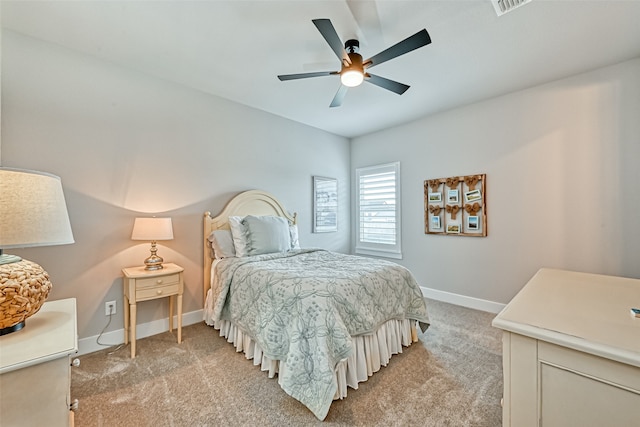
10,329
154,262
24,287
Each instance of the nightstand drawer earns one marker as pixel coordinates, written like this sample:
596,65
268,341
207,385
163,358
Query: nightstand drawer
157,291
172,279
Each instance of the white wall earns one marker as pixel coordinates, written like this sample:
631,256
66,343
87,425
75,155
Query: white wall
562,182
127,144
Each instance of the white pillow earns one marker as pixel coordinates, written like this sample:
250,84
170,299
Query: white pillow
293,232
267,234
239,233
222,244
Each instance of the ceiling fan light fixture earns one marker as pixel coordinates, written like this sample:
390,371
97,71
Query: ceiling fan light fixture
351,78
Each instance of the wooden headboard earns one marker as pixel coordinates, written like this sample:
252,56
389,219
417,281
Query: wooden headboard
252,202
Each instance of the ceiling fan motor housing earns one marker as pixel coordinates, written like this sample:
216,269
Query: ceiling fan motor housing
356,63
352,47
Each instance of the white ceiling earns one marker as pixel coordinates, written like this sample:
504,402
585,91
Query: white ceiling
235,49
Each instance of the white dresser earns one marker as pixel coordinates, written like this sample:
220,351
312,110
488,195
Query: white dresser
571,351
35,371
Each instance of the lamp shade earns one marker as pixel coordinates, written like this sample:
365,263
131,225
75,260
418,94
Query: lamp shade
33,211
152,229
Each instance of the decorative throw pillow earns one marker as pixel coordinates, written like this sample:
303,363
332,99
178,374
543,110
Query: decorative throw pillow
222,244
239,234
267,234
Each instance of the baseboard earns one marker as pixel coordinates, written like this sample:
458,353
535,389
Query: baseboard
465,301
114,338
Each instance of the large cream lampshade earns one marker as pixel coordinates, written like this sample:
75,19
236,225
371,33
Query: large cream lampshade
33,212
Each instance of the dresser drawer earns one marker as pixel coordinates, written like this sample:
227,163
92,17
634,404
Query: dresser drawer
588,365
157,291
172,279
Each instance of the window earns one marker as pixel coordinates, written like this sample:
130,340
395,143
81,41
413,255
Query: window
378,210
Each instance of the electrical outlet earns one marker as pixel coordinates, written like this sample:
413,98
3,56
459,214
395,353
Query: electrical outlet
109,308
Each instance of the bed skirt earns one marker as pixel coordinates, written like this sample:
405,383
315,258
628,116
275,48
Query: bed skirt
370,351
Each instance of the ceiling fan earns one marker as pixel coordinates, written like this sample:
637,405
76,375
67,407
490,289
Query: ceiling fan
353,69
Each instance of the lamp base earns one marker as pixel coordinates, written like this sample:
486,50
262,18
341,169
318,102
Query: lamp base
10,329
24,287
154,262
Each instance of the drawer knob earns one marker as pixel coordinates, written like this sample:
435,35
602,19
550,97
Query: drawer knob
159,292
74,405
76,362
159,281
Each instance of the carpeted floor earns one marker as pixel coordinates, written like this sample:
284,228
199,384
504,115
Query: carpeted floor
452,377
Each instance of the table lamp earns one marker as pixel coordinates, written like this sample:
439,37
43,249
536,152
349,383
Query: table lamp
152,229
33,213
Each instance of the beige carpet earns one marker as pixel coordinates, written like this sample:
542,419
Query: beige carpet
452,377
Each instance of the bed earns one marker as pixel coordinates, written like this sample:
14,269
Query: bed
320,321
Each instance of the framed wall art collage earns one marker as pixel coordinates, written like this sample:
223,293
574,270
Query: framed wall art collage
456,206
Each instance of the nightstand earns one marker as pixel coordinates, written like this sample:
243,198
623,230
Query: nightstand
143,285
35,368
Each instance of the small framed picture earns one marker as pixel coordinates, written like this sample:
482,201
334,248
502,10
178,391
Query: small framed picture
472,196
435,223
453,228
435,197
473,223
325,204
452,196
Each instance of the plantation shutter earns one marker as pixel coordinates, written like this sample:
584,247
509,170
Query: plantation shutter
379,210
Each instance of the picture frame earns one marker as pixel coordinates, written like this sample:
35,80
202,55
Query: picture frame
473,223
453,228
473,196
435,223
435,197
325,204
459,202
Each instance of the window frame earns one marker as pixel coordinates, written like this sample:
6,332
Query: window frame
380,249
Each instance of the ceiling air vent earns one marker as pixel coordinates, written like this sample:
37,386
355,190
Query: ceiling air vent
504,6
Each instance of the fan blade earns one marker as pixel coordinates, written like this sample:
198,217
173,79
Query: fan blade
419,39
284,77
331,36
391,85
337,100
